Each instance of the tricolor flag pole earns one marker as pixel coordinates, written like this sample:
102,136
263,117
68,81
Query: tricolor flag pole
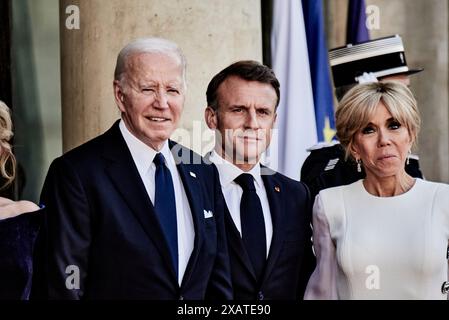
323,96
296,127
356,30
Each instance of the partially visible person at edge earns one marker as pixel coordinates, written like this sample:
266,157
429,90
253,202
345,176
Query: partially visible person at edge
131,214
19,224
385,236
267,214
382,60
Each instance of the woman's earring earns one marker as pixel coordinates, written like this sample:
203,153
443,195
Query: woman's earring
408,157
359,165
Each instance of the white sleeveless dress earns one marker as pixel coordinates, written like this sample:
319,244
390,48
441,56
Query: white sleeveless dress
372,247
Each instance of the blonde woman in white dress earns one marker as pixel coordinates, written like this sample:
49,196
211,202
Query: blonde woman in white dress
386,236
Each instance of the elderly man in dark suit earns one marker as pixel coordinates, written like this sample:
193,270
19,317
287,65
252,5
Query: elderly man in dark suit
131,214
267,214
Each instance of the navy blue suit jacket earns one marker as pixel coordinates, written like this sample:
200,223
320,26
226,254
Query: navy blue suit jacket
100,221
290,260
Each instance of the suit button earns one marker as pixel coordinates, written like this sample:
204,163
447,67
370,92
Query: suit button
260,295
445,287
181,298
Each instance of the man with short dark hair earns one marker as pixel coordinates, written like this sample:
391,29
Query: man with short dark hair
267,214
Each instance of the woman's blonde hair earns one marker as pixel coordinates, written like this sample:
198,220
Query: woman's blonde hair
359,104
7,159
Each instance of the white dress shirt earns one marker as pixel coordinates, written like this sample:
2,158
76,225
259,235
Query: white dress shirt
143,156
233,192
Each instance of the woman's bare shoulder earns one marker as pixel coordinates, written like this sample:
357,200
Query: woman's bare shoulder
10,208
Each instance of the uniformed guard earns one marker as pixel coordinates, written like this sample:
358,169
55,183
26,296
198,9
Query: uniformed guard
376,60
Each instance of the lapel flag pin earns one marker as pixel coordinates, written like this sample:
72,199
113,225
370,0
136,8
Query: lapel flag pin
277,189
208,214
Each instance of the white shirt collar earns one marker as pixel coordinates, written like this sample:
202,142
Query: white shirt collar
228,171
143,154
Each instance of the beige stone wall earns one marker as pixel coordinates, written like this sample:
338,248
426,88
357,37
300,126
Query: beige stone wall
335,17
424,27
212,34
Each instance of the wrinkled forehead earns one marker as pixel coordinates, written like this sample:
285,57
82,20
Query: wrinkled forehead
235,88
154,66
155,60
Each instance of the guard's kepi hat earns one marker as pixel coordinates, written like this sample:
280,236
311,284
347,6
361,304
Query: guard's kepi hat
382,57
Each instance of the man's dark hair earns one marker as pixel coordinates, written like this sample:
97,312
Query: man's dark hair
248,70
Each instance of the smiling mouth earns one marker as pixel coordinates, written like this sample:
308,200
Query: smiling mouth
157,119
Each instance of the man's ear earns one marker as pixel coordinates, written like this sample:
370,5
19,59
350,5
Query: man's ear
210,115
119,95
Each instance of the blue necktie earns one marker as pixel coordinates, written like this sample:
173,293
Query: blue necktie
252,222
165,206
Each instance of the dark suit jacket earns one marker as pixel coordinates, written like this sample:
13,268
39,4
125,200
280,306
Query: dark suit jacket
290,260
100,221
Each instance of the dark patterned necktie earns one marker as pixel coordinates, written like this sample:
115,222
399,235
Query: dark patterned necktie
165,206
252,223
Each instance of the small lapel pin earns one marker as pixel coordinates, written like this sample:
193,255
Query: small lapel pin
208,214
277,189
193,174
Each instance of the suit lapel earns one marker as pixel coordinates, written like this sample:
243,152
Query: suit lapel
236,243
121,169
189,178
275,200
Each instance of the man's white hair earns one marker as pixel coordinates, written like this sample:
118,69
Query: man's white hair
149,45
